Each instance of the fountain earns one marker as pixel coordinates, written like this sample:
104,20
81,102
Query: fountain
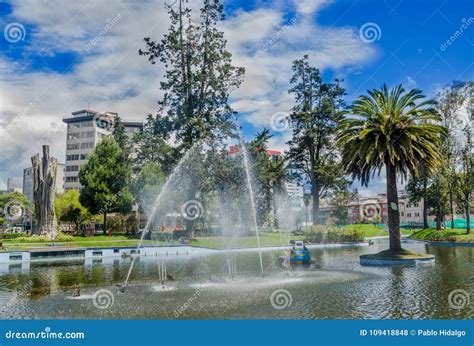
252,197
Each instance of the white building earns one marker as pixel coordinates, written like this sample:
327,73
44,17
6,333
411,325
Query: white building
14,184
295,194
85,129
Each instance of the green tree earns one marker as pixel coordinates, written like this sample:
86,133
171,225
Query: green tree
199,75
341,197
105,180
465,178
70,210
153,148
148,185
451,100
312,150
395,129
120,135
417,188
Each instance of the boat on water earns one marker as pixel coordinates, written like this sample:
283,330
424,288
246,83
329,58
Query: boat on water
297,255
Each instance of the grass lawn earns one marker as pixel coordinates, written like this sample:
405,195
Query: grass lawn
95,241
266,239
452,235
371,230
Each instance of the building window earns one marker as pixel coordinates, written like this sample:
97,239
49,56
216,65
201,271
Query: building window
416,205
408,205
74,126
71,179
86,124
73,157
83,156
73,136
417,214
88,134
88,145
73,146
73,168
408,214
401,213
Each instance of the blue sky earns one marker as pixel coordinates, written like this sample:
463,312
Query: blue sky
55,67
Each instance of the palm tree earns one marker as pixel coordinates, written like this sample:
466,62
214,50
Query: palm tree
395,129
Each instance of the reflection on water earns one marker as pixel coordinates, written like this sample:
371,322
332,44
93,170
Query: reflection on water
200,287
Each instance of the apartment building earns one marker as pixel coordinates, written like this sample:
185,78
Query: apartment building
85,129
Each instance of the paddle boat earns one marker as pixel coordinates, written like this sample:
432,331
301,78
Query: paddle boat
297,255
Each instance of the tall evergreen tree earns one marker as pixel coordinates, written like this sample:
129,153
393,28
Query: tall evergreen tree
105,180
199,75
312,149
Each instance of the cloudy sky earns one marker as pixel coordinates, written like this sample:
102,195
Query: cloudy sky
55,60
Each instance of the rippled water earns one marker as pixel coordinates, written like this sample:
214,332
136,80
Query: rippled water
337,287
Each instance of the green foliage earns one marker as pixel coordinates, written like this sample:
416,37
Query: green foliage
312,151
389,126
60,237
330,234
199,75
6,236
120,135
69,209
105,179
451,235
147,185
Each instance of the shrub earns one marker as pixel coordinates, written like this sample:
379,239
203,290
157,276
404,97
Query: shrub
331,234
11,235
44,238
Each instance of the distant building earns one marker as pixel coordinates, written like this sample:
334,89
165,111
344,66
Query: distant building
295,194
14,184
85,129
28,181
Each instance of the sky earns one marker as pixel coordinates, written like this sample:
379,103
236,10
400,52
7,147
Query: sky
60,56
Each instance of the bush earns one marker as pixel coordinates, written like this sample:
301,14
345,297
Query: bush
11,235
331,234
44,238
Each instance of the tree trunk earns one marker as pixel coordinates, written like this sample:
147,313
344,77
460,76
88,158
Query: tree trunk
425,205
315,196
393,209
451,207
105,223
468,219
